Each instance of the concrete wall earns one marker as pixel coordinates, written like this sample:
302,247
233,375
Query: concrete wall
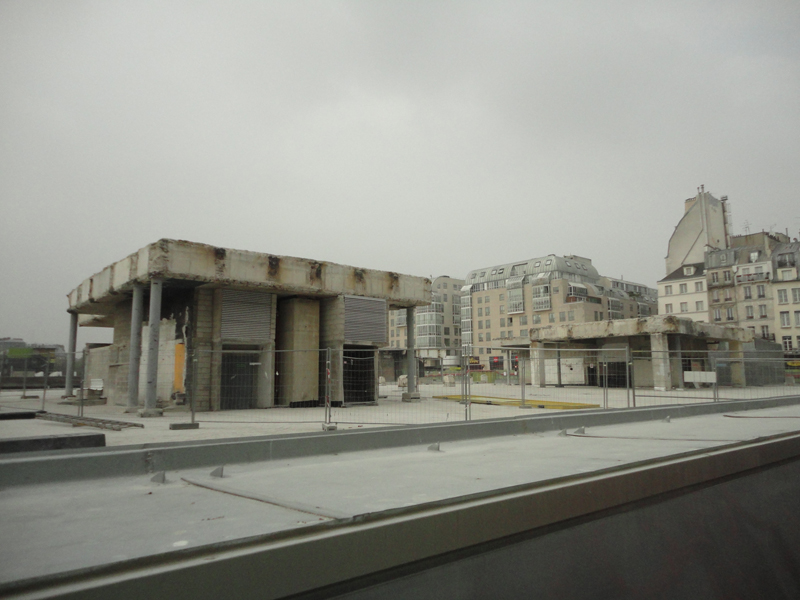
96,367
735,539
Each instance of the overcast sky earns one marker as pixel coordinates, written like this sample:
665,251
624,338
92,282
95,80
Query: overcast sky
421,137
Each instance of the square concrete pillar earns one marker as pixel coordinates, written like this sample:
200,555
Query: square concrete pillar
538,372
737,364
662,373
297,343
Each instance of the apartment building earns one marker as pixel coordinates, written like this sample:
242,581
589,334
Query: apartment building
437,326
754,284
684,293
500,304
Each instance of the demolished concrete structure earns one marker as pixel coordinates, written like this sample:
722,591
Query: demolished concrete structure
664,348
219,309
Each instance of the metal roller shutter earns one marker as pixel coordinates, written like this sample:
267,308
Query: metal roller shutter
247,315
364,319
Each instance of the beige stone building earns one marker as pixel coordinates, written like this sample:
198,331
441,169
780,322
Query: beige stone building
747,280
501,304
684,293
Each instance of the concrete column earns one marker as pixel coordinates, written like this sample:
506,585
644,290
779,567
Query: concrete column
135,349
298,341
541,372
71,348
412,395
659,348
737,364
150,409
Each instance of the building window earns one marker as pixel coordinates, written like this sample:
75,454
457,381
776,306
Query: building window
759,269
748,293
562,316
480,299
488,337
480,324
715,277
787,343
785,322
748,311
447,331
523,320
683,288
688,270
551,317
502,335
698,306
486,299
728,293
502,297
445,297
723,259
486,311
698,286
480,312
797,318
796,295
786,274
726,276
717,314
502,309
783,296
488,324
715,296
535,319
753,257
684,307
668,290
523,333
480,337
762,311
762,291
668,308
571,315
765,331
392,332
502,322
729,313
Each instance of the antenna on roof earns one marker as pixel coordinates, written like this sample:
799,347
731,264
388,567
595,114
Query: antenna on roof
747,227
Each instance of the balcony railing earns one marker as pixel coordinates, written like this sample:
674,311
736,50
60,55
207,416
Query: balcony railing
750,277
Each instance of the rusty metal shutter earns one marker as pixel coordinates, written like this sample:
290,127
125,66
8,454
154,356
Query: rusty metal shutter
247,315
364,319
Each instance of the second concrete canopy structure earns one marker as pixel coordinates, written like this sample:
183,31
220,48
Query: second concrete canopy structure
662,344
216,304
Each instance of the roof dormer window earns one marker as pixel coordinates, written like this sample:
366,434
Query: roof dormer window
688,270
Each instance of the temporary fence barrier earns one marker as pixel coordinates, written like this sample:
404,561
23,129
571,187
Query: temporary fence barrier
354,386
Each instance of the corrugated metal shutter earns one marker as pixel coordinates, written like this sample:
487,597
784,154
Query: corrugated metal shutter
364,319
247,315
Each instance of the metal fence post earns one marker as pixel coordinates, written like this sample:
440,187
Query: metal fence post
327,386
44,386
25,378
2,367
628,376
